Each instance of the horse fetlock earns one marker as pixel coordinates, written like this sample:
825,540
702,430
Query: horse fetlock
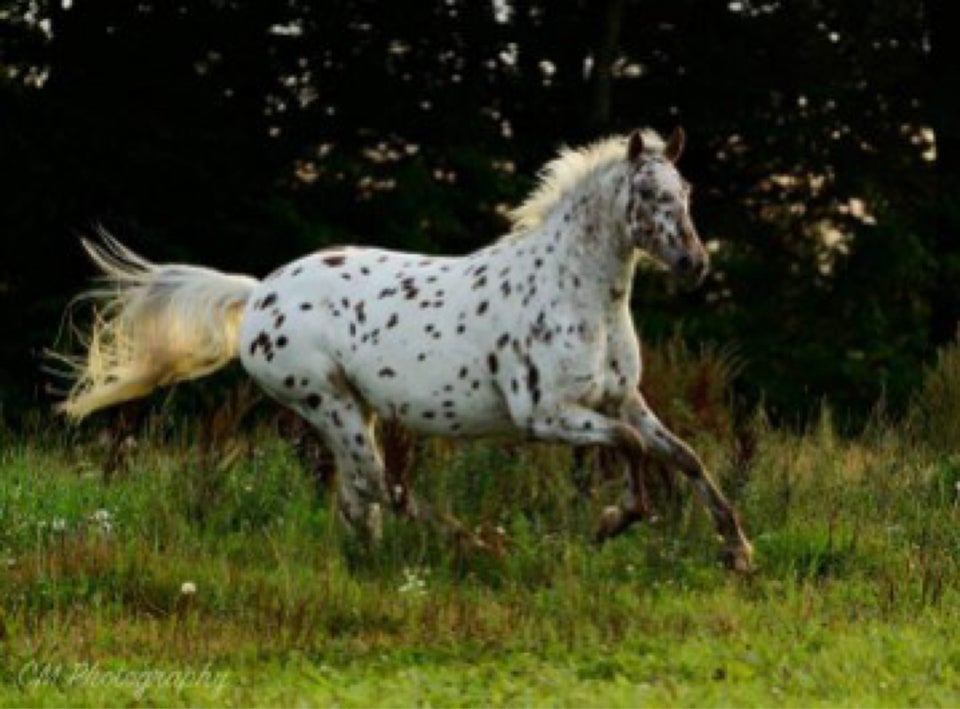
727,523
371,487
635,502
363,519
373,522
737,555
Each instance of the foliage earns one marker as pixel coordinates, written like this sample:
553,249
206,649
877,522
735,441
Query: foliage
243,134
691,391
935,411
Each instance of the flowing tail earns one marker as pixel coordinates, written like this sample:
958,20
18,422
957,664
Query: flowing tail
153,325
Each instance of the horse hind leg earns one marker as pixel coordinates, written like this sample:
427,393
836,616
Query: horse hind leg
349,434
364,491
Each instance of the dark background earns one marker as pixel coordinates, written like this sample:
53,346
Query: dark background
822,140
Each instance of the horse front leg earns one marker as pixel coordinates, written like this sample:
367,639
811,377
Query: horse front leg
579,426
667,447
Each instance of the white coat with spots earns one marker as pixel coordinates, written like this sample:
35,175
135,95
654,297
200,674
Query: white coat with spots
531,336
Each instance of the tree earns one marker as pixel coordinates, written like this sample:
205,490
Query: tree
243,134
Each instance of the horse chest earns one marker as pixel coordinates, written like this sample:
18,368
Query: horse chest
590,357
622,365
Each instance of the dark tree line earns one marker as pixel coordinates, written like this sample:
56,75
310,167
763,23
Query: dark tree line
823,146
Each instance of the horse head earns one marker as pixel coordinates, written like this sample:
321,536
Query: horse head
658,209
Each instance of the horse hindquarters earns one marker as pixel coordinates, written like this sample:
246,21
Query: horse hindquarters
282,350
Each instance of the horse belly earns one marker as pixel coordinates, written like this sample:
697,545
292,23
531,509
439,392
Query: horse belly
435,395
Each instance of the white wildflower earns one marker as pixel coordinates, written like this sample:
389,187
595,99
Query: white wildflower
414,582
58,525
101,516
188,588
103,521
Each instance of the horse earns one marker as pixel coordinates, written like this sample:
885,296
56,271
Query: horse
530,337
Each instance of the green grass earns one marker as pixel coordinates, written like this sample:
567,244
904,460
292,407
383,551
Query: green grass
855,601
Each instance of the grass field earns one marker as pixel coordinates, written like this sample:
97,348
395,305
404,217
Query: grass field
183,583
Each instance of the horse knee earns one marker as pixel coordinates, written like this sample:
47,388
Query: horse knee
681,455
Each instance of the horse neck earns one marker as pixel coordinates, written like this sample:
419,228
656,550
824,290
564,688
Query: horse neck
588,229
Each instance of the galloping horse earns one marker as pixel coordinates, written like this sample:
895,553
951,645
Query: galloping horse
531,336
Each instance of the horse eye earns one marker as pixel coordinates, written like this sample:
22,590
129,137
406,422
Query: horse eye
646,194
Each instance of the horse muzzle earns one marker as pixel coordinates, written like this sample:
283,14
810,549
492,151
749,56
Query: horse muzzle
691,272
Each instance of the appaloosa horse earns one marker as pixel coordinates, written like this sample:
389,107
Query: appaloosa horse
531,336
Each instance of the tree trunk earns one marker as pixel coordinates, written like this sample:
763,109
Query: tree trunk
943,101
610,17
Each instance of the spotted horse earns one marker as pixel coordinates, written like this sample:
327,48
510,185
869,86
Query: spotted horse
529,337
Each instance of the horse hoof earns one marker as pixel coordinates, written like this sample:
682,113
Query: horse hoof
738,558
611,523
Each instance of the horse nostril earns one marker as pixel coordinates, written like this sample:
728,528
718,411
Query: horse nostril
684,263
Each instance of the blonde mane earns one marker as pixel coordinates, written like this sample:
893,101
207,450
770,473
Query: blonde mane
560,176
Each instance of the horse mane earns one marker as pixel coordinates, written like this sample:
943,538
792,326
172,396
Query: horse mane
560,176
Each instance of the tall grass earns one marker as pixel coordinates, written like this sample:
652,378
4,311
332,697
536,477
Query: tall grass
935,412
691,389
857,586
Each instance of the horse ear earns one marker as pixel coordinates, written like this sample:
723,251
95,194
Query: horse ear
635,146
674,145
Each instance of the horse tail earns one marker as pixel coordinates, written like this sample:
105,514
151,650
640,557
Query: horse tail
153,325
